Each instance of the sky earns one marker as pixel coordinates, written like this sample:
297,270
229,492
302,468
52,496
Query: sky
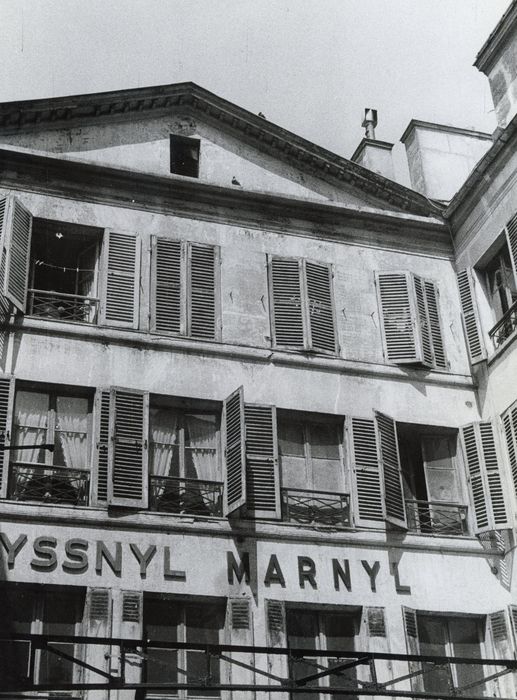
311,66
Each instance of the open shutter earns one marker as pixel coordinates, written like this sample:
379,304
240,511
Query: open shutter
498,631
511,238
400,333
121,279
391,471
512,609
424,327
509,419
413,647
100,454
321,307
262,474
97,623
16,225
471,324
234,452
364,458
6,420
286,302
202,291
166,289
435,326
493,476
127,485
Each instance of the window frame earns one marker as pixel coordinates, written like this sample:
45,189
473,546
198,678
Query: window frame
185,140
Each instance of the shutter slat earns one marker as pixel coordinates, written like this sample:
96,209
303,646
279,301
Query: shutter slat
511,236
509,419
471,323
102,408
16,241
166,286
425,334
321,312
235,456
287,303
122,279
366,469
495,486
391,471
262,478
397,318
202,292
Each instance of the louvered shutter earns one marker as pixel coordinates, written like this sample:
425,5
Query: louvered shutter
287,308
509,419
321,307
202,308
234,452
240,627
97,623
498,632
6,420
100,454
374,635
512,610
128,473
413,647
364,456
16,223
129,625
276,637
484,477
166,286
424,326
471,324
391,471
400,331
121,279
434,323
511,237
262,473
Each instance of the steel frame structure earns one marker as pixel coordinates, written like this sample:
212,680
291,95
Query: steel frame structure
124,650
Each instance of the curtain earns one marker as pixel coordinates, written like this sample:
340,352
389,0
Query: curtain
164,438
71,432
30,425
200,452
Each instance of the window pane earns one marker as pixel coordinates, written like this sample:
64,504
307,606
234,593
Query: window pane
164,427
291,449
327,475
324,441
432,632
290,439
200,447
204,623
30,424
161,624
71,444
62,611
464,637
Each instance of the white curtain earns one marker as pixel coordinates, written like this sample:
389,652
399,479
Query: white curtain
201,434
164,424
71,432
30,421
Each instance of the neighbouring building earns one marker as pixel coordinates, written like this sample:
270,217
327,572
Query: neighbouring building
256,393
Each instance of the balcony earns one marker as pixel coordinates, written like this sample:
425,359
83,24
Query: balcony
62,307
432,518
46,484
188,496
504,328
316,507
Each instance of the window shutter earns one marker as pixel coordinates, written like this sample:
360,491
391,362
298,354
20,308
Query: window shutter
287,304
203,268
102,439
413,647
471,324
262,473
511,237
127,453
240,613
484,477
401,341
375,622
509,419
129,625
234,451
166,287
391,471
275,623
121,278
425,331
374,637
97,623
6,421
435,327
499,634
16,224
321,307
512,609
365,466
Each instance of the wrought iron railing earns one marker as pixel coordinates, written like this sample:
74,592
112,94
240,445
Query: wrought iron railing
48,484
504,328
429,517
191,496
63,307
316,507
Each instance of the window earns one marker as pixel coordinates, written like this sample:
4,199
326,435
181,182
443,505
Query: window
32,610
501,292
184,155
170,620
61,419
185,289
302,305
184,460
409,310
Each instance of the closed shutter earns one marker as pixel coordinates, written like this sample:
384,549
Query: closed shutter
166,287
512,609
16,223
365,466
202,309
128,624
413,647
498,631
6,420
401,341
484,477
121,279
276,637
97,623
240,628
391,471
511,237
424,326
471,324
435,327
262,475
509,419
287,303
102,439
234,452
321,307
374,637
127,485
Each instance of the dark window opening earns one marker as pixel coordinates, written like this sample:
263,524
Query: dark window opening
500,282
184,155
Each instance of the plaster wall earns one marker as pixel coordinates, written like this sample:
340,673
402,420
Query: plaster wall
502,77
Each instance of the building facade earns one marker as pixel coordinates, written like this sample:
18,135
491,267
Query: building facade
246,401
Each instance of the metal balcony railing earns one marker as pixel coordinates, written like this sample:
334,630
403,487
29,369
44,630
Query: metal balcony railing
504,328
191,496
428,517
62,307
47,484
316,507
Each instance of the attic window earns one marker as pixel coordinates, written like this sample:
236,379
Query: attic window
184,155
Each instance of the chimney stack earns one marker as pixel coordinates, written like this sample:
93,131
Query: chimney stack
370,153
